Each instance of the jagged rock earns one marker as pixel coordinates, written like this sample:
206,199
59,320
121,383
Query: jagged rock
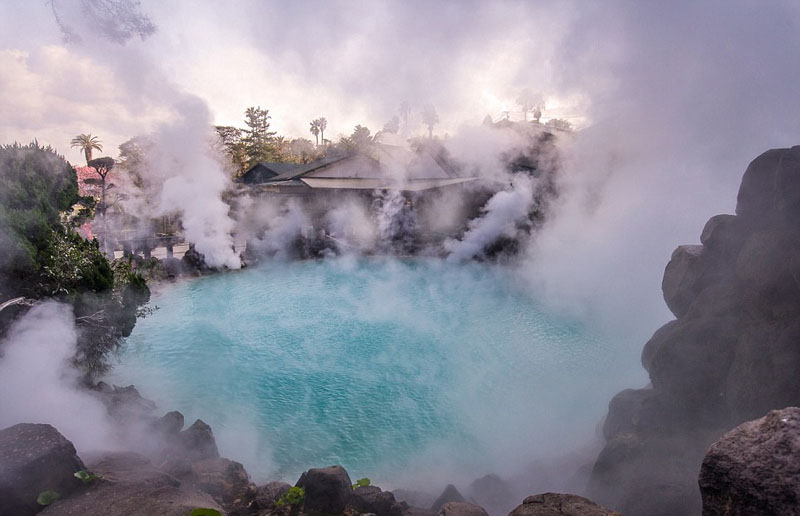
225,480
754,470
170,424
450,494
555,504
492,492
462,509
125,403
131,485
328,490
370,499
34,458
683,278
197,442
269,493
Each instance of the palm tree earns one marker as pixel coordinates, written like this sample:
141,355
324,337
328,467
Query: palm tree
430,118
323,123
315,129
87,143
404,111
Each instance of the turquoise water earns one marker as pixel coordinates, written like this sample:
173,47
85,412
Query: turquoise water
387,367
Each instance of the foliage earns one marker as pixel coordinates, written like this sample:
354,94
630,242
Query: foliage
205,512
47,497
359,141
87,143
36,186
258,140
559,123
116,20
132,158
430,118
362,482
294,497
86,477
40,257
392,126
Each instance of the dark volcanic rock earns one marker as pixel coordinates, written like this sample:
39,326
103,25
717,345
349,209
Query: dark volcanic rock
450,494
731,355
370,499
170,424
225,480
131,485
683,278
754,470
197,442
328,490
770,189
34,458
462,509
555,504
269,493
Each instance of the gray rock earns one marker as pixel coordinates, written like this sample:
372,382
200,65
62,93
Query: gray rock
225,480
170,424
683,278
624,412
555,504
462,509
450,494
34,458
131,485
754,470
328,490
370,499
269,493
197,442
770,189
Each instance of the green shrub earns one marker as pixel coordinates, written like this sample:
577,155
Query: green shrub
293,498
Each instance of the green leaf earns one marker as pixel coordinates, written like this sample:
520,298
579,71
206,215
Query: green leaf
86,477
47,497
361,482
205,512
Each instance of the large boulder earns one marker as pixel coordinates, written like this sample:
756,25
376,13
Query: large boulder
328,490
225,480
555,504
130,484
269,493
683,278
197,442
372,500
34,458
754,470
770,189
462,509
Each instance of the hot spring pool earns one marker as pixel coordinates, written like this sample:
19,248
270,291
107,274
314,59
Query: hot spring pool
390,368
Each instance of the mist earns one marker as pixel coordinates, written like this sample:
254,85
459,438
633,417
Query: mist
41,345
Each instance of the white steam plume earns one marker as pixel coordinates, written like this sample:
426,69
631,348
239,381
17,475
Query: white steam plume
40,384
501,214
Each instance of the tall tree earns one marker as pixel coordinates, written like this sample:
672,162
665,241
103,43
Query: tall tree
430,118
258,140
102,167
323,124
314,129
404,111
87,143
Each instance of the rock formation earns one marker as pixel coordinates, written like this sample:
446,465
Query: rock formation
754,470
731,355
556,504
